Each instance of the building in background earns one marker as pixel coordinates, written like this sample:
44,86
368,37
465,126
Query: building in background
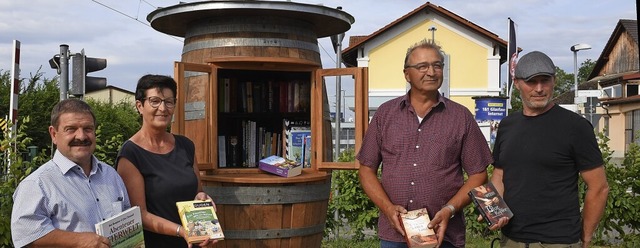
112,95
473,55
617,74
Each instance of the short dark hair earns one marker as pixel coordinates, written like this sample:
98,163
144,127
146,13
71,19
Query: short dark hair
423,44
71,105
159,82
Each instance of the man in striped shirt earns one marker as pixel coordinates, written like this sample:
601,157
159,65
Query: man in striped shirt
59,203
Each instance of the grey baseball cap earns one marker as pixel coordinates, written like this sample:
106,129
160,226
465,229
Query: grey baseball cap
534,64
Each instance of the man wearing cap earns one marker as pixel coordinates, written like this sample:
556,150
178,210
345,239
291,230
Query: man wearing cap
539,153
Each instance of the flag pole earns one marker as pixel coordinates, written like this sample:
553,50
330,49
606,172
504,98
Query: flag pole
512,54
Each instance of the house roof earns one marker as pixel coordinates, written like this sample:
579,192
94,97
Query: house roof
630,99
349,54
114,88
623,26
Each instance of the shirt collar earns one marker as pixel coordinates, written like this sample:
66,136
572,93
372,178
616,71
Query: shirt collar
405,100
64,164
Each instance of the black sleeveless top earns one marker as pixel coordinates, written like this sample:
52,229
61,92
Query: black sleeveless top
168,178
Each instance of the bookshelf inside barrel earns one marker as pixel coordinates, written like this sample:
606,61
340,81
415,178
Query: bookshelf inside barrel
255,110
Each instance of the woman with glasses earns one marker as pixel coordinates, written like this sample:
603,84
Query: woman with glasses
159,168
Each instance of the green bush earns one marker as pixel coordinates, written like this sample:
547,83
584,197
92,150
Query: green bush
622,215
14,169
352,204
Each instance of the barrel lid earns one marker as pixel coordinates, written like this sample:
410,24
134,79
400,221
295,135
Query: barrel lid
175,20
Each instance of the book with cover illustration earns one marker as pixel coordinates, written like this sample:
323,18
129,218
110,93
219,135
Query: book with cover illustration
199,221
489,203
123,229
280,166
417,233
293,133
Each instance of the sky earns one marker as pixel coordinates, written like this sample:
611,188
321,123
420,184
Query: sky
118,30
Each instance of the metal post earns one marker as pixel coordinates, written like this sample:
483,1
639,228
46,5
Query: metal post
336,153
433,34
575,48
337,47
575,76
64,71
338,104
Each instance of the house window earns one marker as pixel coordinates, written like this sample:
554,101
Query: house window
632,90
613,91
632,127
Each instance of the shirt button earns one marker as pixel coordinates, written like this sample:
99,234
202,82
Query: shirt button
412,183
419,129
418,146
97,199
415,165
410,201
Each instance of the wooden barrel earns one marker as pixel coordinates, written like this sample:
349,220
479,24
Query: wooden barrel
251,38
278,215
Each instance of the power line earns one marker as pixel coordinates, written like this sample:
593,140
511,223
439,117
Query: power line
131,17
328,54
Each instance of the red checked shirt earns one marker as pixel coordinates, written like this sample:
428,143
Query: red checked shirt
422,162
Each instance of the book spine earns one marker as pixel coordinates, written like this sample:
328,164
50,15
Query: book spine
222,154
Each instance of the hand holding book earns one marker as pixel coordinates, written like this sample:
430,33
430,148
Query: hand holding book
491,206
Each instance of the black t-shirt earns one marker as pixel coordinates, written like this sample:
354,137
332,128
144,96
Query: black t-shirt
168,178
541,157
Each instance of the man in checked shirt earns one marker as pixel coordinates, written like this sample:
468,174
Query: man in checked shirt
424,141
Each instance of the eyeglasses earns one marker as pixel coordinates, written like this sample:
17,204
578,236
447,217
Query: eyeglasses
155,102
424,67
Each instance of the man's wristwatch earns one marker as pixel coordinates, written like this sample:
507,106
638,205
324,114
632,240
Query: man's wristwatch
452,208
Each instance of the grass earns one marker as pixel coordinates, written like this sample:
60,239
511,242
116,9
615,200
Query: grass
472,242
375,243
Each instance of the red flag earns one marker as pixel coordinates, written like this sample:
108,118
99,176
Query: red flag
513,55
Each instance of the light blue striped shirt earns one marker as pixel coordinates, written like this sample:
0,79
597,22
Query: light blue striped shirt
58,195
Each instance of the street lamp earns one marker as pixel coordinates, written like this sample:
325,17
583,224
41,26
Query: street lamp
575,48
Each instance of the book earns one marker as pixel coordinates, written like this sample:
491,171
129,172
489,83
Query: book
489,203
123,229
289,127
296,143
222,151
199,221
306,152
280,166
417,233
234,152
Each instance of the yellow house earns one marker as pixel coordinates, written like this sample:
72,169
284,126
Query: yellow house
473,55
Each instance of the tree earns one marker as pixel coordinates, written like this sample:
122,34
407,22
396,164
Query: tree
585,70
40,94
37,100
564,82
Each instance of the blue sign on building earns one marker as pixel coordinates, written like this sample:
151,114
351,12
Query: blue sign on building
490,108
